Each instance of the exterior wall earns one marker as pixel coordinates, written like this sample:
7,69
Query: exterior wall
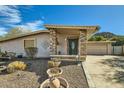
92,48
109,48
117,50
62,46
99,48
17,45
43,41
63,43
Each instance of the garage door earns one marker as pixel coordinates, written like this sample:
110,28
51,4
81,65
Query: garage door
96,48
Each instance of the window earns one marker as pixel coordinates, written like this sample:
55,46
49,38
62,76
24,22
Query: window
29,43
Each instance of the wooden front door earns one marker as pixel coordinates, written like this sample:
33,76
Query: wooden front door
73,46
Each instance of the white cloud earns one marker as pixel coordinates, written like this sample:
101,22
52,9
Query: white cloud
3,31
33,26
10,15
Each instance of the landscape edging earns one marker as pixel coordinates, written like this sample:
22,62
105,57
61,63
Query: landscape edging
88,77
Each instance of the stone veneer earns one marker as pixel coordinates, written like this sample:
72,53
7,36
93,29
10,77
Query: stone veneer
53,43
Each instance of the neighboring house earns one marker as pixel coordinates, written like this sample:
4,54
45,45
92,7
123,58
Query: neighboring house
58,40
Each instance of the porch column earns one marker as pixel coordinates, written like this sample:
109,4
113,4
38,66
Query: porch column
82,42
53,44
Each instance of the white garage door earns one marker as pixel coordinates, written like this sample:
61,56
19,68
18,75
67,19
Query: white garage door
96,48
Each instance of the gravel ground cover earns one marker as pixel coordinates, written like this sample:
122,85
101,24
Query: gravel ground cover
20,79
74,74
35,74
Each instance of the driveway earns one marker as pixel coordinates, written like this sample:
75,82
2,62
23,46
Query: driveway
105,71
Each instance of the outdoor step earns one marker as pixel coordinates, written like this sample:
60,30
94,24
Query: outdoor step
68,59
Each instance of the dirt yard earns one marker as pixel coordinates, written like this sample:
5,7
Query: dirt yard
35,74
106,71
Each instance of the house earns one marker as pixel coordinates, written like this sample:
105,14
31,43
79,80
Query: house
56,41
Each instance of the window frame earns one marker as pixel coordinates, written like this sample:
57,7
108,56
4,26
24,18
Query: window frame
34,39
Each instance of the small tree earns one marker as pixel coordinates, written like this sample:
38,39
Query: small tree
15,32
31,52
97,38
114,39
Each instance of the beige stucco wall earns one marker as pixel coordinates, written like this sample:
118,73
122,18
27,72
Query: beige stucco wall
63,43
109,48
42,43
99,48
62,46
117,50
92,48
17,45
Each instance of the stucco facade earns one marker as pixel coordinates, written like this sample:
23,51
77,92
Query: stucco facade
63,43
17,45
42,43
57,40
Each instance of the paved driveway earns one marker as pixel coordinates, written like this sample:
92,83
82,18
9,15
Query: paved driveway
106,71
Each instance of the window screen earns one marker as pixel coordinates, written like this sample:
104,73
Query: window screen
28,43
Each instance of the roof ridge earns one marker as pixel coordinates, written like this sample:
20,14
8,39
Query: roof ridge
25,34
71,25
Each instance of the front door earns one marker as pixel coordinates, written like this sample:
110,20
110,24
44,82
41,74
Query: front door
73,46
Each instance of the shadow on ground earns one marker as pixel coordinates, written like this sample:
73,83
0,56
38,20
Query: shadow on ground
116,64
38,66
65,63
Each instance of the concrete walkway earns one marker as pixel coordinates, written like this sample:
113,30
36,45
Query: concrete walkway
105,71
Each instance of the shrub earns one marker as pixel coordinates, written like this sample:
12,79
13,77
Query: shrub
51,64
97,38
3,54
54,63
31,51
16,65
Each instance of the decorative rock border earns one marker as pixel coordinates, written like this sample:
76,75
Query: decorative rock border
88,77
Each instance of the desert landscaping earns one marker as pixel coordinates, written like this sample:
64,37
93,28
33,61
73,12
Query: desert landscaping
35,74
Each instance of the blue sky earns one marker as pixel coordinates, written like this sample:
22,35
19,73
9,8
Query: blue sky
109,18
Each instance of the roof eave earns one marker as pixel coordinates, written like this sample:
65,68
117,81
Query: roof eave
24,35
70,27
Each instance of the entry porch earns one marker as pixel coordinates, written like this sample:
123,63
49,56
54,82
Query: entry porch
69,42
